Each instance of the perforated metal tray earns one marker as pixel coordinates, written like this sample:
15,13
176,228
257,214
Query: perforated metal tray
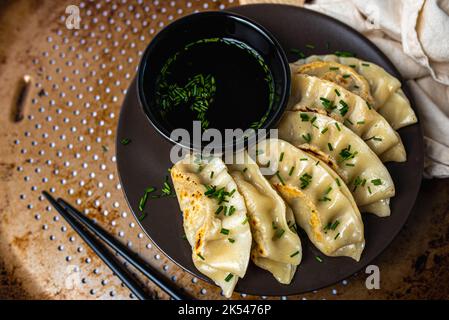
65,144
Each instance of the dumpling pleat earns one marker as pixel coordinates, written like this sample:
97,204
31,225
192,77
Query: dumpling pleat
346,153
323,207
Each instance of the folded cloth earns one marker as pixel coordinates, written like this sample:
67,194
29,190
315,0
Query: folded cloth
414,34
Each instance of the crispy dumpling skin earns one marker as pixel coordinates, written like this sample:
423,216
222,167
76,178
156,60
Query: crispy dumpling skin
322,204
208,232
276,245
389,99
340,74
310,93
344,152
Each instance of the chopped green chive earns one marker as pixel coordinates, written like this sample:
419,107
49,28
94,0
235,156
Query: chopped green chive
344,108
294,254
229,277
245,221
166,188
328,105
304,117
211,174
219,209
329,145
365,64
298,52
305,180
279,177
291,170
224,231
373,138
346,153
369,189
125,141
334,68
335,225
281,157
324,199
144,198
350,165
310,46
318,259
324,130
303,159
337,92
361,122
352,65
376,182
345,76
338,126
231,240
328,190
200,256
307,137
279,233
244,170
337,236
338,182
346,54
221,195
142,216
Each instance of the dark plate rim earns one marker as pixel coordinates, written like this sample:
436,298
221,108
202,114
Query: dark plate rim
420,156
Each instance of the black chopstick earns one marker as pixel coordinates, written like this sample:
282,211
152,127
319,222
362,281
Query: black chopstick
128,255
101,250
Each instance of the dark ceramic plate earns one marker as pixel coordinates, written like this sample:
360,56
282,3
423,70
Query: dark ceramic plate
144,162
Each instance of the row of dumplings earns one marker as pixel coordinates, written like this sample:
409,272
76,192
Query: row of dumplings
326,167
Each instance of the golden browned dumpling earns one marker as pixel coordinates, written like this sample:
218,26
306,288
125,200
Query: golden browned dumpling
215,220
276,247
388,98
310,93
321,202
358,166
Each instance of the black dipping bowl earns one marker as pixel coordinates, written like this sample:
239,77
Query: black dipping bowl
205,25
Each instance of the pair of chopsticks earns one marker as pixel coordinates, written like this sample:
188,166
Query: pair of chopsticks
87,230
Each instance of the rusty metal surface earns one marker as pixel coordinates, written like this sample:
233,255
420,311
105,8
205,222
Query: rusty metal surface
65,144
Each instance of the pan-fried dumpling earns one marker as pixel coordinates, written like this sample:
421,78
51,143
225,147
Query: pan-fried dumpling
314,94
357,165
322,204
276,245
389,99
221,241
340,74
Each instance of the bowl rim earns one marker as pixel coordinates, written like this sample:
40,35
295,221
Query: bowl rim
271,121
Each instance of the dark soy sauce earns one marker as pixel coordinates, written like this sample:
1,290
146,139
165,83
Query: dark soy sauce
240,94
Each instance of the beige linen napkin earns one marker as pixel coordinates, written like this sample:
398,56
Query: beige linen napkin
414,34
